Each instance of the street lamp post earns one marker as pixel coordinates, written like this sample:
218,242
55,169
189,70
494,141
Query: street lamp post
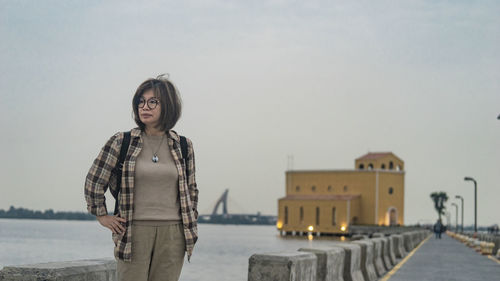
462,224
475,201
456,216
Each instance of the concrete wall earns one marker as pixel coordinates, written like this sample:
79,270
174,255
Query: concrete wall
88,270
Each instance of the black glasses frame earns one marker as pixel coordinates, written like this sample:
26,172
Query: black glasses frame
151,106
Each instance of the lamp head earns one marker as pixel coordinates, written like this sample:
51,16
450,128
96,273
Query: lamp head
468,179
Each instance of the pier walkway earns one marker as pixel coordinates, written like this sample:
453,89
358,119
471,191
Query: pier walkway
445,259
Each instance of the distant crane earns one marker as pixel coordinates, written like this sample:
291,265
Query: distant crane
222,200
226,218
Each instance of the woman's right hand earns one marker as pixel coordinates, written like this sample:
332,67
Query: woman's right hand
114,223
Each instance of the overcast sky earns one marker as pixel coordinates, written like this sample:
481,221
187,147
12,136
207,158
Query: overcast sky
326,81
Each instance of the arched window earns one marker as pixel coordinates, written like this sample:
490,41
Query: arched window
361,166
329,188
370,166
345,188
398,168
391,190
286,215
317,215
391,165
382,167
297,188
313,188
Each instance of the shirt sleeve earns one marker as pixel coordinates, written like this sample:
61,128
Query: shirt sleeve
192,187
97,180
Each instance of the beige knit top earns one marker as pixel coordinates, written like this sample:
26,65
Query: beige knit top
156,194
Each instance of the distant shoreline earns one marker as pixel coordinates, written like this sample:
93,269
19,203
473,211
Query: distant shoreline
23,213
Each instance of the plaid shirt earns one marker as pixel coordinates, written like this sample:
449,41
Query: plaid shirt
100,177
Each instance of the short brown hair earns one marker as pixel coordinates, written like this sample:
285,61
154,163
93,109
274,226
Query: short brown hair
170,101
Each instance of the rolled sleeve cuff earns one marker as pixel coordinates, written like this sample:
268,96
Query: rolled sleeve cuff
97,210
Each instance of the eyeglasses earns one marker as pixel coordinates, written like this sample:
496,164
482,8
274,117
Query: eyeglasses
152,103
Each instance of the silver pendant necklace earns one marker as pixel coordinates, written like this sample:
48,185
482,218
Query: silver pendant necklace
155,158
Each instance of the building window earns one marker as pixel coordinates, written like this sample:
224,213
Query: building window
317,215
301,214
354,220
345,188
391,190
361,166
313,188
286,215
297,188
382,167
329,188
391,165
370,166
398,168
334,220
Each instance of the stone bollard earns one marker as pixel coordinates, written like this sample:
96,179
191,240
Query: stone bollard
367,266
399,246
92,270
487,248
352,261
330,263
477,245
289,266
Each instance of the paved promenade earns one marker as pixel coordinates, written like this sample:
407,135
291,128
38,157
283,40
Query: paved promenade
447,260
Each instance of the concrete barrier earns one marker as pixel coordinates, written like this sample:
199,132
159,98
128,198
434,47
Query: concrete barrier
289,266
392,251
330,263
408,242
399,248
359,237
496,240
88,270
352,262
385,253
367,266
377,257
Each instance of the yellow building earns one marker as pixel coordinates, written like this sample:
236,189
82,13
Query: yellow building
330,201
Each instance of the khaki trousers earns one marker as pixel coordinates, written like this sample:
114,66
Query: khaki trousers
157,253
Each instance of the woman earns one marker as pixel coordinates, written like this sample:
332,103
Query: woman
157,202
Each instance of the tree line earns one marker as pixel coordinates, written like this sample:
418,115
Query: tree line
23,213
